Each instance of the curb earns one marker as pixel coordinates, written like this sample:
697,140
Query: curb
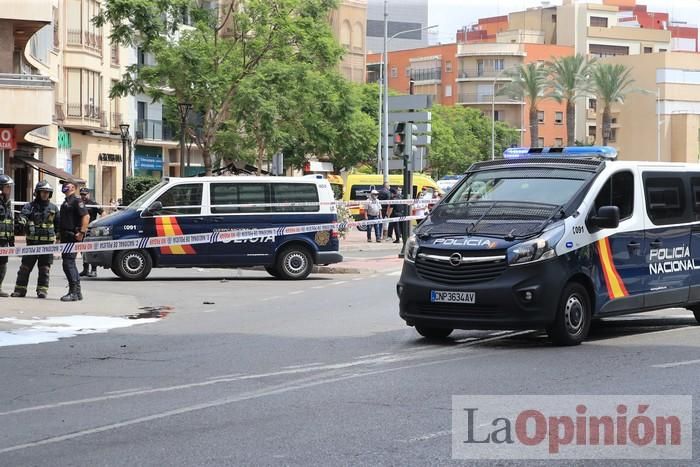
325,270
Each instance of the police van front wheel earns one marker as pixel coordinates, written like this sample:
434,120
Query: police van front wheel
294,263
132,265
573,319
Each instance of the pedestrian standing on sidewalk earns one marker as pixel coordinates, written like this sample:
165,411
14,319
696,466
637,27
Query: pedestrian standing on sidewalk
385,195
39,218
373,211
74,220
7,223
93,211
397,210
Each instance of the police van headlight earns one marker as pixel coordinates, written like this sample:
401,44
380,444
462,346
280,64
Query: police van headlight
411,248
102,231
539,249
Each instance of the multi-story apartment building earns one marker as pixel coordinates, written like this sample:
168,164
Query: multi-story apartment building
404,15
661,119
348,22
26,89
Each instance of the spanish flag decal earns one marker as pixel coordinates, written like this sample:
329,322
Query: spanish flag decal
616,288
167,227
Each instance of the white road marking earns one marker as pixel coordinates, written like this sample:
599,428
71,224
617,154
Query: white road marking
296,292
420,353
358,278
126,391
373,276
267,299
339,283
227,401
394,273
318,287
305,365
674,364
208,311
429,436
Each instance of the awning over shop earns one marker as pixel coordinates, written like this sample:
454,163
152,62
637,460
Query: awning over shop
42,166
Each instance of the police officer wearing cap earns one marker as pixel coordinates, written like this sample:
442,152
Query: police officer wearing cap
74,220
40,221
94,211
7,223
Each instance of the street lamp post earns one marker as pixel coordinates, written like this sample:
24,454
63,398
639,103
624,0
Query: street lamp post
184,109
124,132
385,112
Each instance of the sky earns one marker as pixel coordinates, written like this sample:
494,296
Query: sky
450,15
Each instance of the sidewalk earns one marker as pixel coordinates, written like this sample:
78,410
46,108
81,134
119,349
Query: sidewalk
362,257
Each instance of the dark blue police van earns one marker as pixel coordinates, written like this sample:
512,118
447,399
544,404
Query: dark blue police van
180,206
553,238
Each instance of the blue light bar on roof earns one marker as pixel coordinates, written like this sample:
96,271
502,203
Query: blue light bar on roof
602,152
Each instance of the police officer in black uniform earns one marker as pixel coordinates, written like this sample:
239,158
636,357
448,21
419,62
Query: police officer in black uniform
7,223
40,221
94,211
74,220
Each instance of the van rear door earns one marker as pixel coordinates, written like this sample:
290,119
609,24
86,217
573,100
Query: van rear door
667,239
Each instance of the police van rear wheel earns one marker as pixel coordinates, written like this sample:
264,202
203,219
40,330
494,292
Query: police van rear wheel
132,265
433,333
272,270
696,312
294,263
573,319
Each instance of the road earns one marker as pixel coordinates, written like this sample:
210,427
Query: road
247,370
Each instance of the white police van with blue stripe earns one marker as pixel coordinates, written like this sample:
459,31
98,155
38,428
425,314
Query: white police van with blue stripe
182,206
554,238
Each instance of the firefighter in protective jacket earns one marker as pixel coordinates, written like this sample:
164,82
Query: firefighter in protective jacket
40,220
7,226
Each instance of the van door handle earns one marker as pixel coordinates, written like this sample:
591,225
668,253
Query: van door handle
218,219
634,245
197,220
656,243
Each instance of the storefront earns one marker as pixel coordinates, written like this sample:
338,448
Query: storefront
148,161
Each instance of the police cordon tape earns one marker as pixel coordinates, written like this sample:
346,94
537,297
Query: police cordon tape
268,205
191,239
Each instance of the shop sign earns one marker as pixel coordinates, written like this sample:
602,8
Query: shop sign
145,162
64,141
7,139
106,157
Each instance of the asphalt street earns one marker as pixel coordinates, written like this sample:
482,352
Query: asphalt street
242,369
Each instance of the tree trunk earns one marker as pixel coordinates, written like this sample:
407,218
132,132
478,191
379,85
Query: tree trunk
260,155
534,130
607,124
570,120
206,158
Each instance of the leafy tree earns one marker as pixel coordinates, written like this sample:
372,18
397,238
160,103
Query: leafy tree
207,65
529,84
570,81
612,83
462,136
136,186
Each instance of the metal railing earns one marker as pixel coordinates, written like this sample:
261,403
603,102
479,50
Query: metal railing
467,98
13,79
59,112
470,73
427,74
155,130
92,112
74,36
75,109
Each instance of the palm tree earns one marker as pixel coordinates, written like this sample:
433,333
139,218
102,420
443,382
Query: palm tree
529,84
612,83
570,81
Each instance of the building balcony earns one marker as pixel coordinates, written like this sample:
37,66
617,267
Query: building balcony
473,98
477,74
155,130
84,116
91,41
428,74
27,100
31,11
490,50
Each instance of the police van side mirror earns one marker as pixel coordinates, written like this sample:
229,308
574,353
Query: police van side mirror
153,208
608,217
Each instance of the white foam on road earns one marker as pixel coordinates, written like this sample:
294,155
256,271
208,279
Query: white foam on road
51,329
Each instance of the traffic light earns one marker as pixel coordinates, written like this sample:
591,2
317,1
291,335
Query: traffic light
410,141
399,139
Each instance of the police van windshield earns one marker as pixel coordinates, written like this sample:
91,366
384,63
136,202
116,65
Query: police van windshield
138,202
521,185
